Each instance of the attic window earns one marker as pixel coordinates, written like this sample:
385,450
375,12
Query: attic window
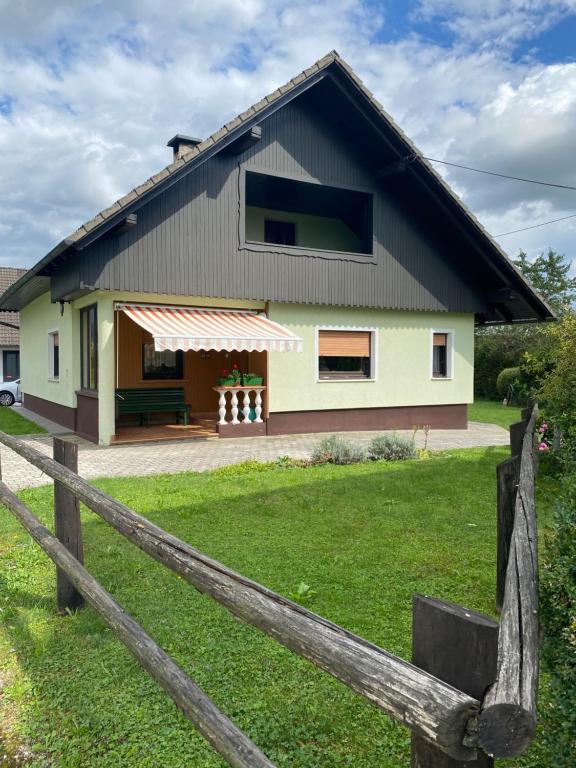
307,215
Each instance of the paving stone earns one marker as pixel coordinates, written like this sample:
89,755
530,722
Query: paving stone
199,455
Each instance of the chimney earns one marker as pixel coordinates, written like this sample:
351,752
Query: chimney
180,143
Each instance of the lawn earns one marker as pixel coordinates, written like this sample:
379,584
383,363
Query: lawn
493,412
363,537
15,424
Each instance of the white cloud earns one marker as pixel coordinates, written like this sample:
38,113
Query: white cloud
495,22
99,87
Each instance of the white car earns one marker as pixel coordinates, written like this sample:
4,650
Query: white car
10,392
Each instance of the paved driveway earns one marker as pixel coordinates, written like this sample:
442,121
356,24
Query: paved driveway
199,455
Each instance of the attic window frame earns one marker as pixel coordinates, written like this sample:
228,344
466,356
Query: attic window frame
298,250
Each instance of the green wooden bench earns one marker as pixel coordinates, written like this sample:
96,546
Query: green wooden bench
144,401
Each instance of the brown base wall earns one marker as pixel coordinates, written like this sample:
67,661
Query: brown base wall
61,414
408,417
87,416
82,420
241,430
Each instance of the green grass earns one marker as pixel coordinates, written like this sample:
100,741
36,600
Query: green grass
364,538
15,424
493,412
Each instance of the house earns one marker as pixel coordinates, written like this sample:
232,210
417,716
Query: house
9,330
307,242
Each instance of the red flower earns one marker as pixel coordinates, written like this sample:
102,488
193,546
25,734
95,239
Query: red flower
224,372
235,366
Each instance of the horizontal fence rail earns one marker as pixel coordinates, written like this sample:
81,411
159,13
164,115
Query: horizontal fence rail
431,708
507,722
464,649
217,729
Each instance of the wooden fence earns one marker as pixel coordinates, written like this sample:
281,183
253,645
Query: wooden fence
469,694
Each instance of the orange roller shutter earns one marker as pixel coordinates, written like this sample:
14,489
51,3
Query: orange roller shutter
440,339
344,344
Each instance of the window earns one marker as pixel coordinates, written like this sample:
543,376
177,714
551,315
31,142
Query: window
306,215
442,355
345,355
54,355
161,365
281,232
89,348
11,364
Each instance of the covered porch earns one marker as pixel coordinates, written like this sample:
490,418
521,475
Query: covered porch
192,372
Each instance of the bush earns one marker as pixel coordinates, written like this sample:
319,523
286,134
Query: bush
508,383
391,448
557,390
496,349
558,613
336,450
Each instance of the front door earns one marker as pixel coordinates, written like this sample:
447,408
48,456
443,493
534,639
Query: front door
11,364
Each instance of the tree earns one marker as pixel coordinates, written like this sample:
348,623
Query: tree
549,274
505,346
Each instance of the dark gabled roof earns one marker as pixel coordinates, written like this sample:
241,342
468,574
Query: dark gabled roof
9,336
35,281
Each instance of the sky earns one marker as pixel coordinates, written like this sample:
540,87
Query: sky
91,91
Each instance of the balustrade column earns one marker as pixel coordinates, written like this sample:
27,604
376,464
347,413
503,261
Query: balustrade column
235,419
222,407
258,407
246,409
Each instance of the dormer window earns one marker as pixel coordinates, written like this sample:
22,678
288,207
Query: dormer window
306,215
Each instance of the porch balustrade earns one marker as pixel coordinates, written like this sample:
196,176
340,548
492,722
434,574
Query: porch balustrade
240,404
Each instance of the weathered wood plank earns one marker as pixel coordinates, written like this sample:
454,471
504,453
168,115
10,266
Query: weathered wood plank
67,526
517,431
428,706
217,729
507,722
460,647
507,477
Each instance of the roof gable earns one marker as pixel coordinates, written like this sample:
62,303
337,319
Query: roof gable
405,154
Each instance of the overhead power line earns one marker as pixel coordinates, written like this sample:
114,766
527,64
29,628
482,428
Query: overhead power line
502,175
535,226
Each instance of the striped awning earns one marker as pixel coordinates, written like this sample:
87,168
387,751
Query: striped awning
219,329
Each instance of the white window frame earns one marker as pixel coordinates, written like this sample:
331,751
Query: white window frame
373,353
51,333
450,335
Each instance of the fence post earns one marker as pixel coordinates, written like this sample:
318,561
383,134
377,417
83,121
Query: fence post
526,413
507,476
517,431
67,525
459,647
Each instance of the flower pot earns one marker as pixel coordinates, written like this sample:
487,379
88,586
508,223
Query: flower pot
251,379
227,381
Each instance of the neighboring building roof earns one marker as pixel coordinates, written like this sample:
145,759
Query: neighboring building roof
9,337
35,282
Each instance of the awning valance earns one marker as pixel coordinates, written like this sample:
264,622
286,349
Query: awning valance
219,329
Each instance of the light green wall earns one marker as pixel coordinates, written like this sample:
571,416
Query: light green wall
311,231
403,360
36,321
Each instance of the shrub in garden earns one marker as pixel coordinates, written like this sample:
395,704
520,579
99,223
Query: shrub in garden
391,448
508,383
336,450
558,614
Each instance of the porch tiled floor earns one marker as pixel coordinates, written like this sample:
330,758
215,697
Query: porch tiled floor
205,428
203,454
